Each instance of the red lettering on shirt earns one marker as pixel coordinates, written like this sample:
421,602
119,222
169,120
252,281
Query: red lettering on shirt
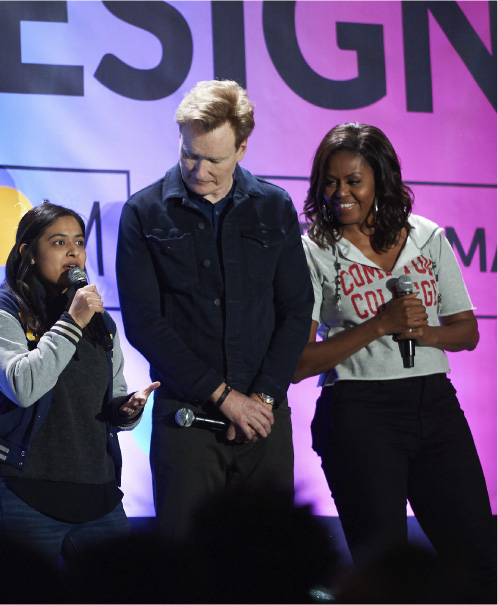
373,303
347,291
418,264
354,271
358,297
434,289
370,272
428,265
428,293
360,275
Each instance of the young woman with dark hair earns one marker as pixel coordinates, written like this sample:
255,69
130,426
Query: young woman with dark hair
63,398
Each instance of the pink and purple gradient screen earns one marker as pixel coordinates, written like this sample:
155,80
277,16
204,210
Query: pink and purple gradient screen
101,145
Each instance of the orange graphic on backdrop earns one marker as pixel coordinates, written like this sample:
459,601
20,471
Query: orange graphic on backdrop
13,205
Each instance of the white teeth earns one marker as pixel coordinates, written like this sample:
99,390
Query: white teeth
346,205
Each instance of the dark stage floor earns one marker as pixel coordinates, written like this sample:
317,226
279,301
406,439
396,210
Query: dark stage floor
333,525
344,563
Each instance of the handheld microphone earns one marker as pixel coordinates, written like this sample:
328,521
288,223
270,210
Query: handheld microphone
404,286
185,417
78,278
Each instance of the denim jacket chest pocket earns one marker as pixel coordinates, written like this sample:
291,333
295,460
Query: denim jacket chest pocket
262,248
175,260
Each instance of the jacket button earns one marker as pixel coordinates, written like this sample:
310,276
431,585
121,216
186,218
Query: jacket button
217,302
111,434
206,263
23,453
201,225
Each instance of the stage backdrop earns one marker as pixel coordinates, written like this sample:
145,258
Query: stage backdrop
88,92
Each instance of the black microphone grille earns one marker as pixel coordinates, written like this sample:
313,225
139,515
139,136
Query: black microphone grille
404,285
77,276
184,417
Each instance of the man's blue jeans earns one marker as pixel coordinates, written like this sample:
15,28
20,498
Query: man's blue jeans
26,526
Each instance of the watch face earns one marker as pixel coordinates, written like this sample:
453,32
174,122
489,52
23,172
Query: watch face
267,398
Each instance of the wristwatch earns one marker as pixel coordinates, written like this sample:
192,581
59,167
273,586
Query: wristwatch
268,399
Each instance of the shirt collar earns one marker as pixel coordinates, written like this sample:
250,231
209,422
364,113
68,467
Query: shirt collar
245,184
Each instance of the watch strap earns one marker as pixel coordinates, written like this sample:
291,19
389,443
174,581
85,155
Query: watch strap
218,403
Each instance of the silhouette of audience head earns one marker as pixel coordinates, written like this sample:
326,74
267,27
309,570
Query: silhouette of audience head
245,546
258,546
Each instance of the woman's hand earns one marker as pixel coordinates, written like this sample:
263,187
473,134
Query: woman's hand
457,332
86,302
403,316
136,403
397,317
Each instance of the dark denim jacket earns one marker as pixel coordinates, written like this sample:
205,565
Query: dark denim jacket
200,317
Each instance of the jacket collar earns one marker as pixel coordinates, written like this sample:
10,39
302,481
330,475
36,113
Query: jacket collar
245,185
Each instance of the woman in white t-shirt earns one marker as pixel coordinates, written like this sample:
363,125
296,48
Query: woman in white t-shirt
389,300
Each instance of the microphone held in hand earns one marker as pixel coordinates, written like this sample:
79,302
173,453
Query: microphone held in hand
78,278
186,418
404,286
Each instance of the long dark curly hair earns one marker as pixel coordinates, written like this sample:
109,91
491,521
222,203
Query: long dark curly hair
394,199
19,274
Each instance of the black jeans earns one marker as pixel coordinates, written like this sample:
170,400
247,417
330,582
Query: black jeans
383,442
189,465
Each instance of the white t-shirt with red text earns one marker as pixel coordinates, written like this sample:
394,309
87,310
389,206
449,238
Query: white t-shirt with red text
363,287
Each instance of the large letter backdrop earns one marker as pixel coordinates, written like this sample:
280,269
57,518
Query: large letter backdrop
88,93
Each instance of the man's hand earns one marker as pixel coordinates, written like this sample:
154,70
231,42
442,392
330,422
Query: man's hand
250,419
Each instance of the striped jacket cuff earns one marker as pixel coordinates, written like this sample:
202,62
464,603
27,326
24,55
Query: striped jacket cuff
67,327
